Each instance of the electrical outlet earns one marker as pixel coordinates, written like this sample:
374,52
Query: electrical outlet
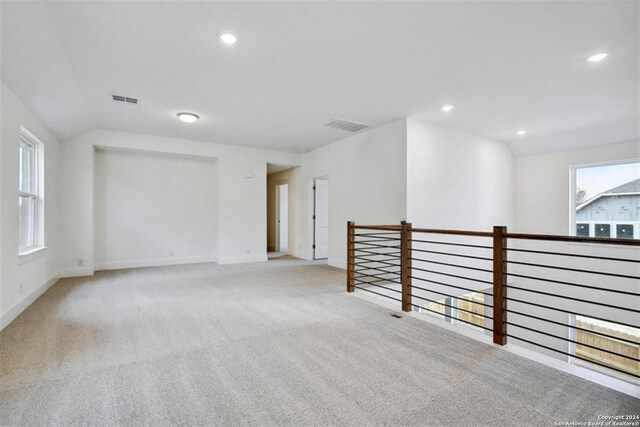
248,251
21,288
170,253
80,262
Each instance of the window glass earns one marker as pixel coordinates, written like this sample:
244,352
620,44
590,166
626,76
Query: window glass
603,230
474,310
624,231
30,218
582,230
607,200
620,340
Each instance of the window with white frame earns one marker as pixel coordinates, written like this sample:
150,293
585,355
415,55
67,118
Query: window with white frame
601,345
607,200
30,196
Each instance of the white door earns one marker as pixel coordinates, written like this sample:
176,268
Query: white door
321,219
283,217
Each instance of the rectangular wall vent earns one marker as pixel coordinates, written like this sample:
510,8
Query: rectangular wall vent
345,125
126,99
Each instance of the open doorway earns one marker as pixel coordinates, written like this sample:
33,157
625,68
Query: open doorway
282,218
280,213
321,218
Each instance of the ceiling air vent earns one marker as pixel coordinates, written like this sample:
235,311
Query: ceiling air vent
126,99
345,125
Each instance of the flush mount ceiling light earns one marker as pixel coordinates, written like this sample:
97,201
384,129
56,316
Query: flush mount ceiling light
597,57
448,108
188,117
228,38
521,132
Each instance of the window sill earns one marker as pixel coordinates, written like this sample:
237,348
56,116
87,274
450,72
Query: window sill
32,254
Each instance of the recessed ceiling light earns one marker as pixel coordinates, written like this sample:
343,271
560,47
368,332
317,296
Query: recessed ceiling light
597,57
228,38
521,132
188,117
448,108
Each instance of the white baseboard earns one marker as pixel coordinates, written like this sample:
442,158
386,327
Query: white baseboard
241,259
25,302
77,272
118,265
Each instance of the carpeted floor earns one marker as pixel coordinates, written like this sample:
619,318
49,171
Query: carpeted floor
277,343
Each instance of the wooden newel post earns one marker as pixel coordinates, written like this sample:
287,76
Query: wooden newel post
405,265
350,253
499,288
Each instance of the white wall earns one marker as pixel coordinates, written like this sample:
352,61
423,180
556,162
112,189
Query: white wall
39,273
542,184
457,180
154,209
241,193
367,184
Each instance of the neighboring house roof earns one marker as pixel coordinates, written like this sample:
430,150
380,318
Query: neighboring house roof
628,188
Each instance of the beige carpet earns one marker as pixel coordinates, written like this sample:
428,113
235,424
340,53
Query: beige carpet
276,343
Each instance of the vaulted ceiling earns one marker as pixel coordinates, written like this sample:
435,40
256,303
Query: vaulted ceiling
504,65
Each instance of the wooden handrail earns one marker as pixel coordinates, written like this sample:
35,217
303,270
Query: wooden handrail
454,232
576,239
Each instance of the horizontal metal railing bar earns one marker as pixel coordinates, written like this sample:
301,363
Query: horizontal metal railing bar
377,293
554,238
368,261
380,268
376,234
572,341
377,276
573,355
451,286
375,245
452,296
376,253
379,286
604,258
560,282
576,270
377,240
451,317
366,258
450,254
452,275
372,281
519,313
435,242
453,265
568,312
453,232
572,298
377,227
452,306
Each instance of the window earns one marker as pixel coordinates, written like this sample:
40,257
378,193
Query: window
468,308
624,345
30,200
472,304
607,200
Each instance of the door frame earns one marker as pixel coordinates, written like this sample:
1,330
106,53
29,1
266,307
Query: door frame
276,244
313,216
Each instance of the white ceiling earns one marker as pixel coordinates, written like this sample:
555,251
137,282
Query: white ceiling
504,65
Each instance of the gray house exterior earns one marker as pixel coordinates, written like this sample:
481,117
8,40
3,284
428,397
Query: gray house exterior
612,213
